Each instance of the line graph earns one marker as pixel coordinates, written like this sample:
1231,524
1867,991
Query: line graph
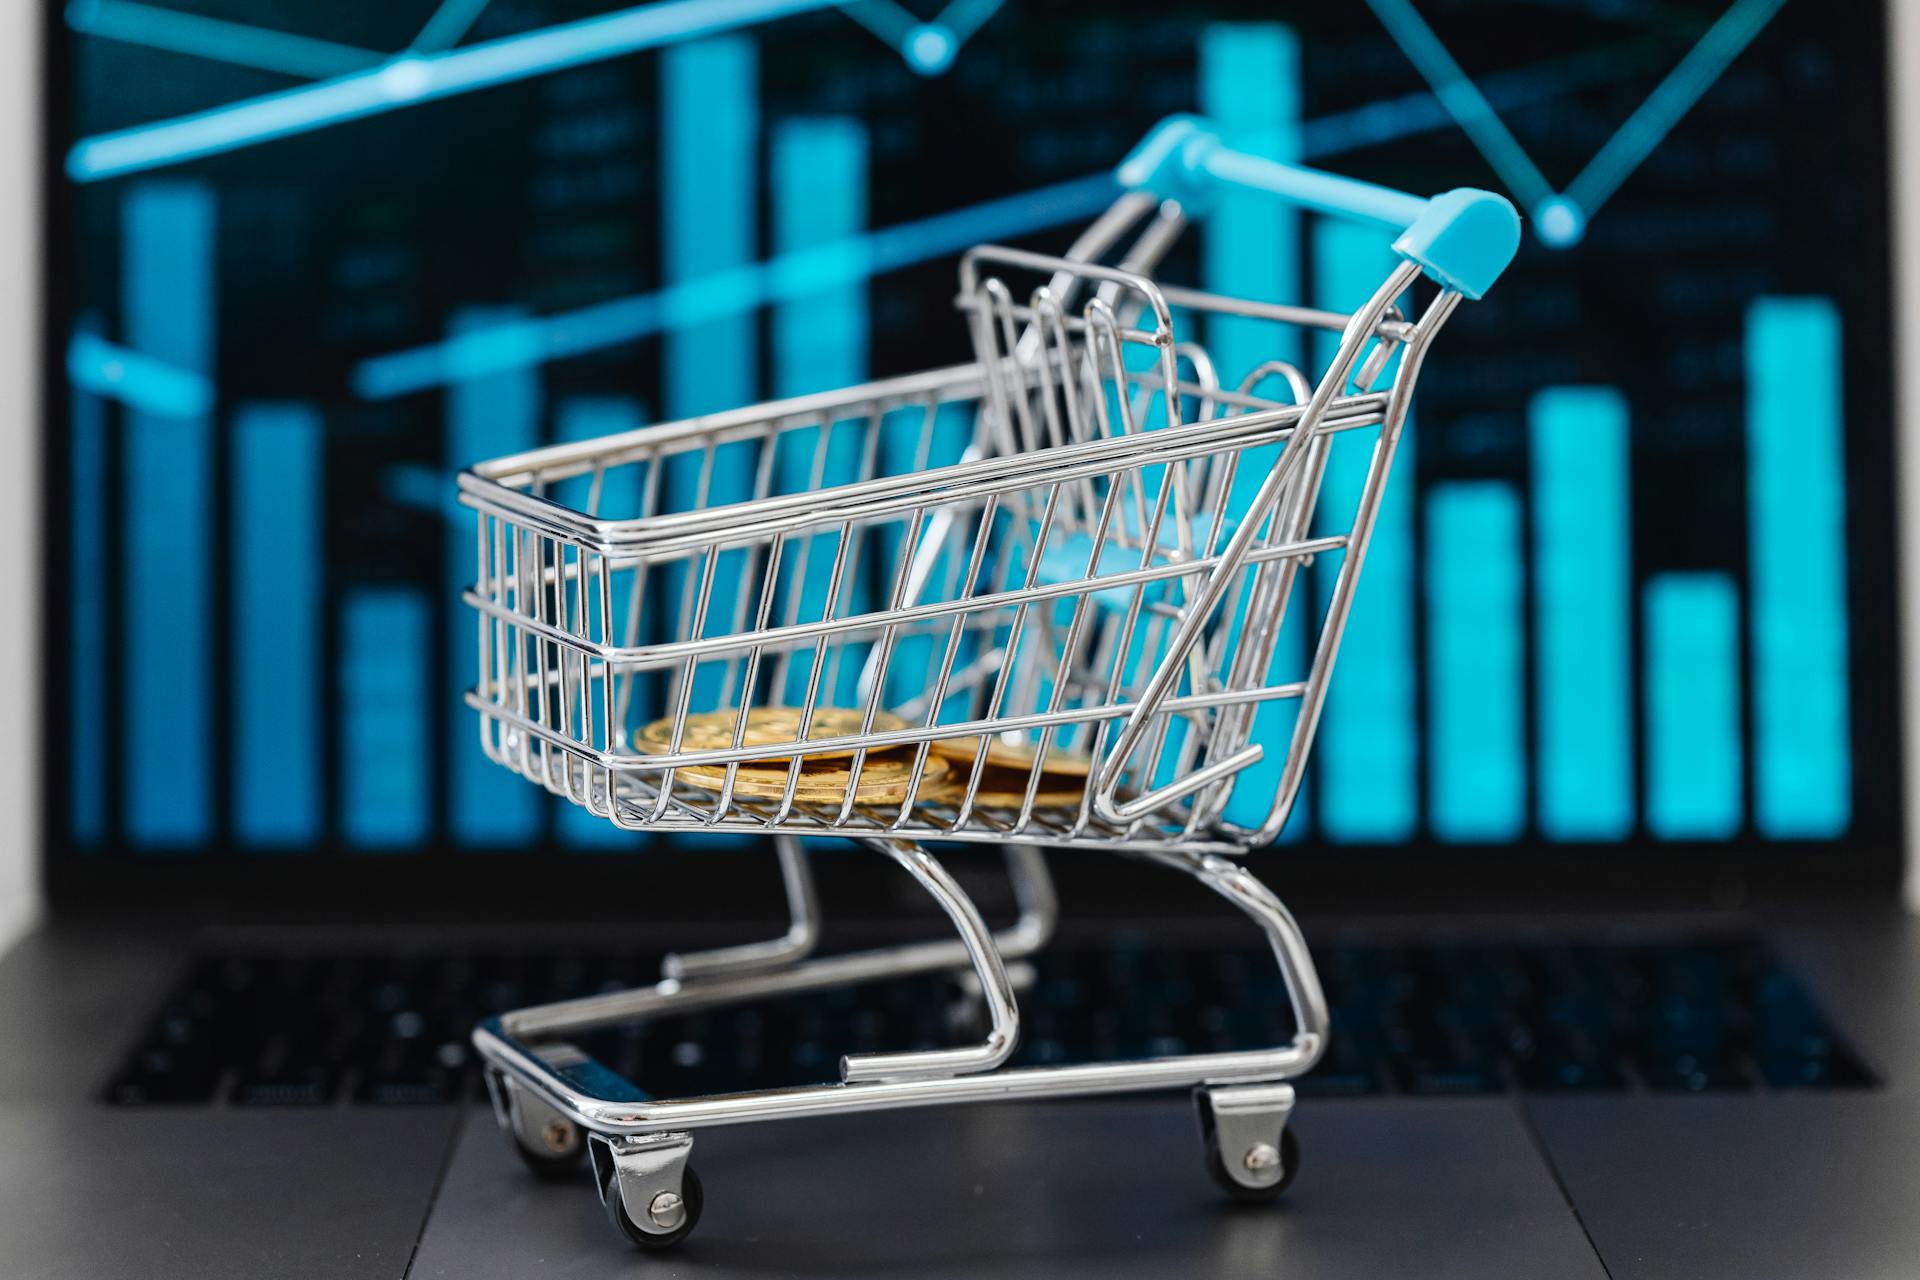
351,83
142,381
448,25
784,278
243,44
415,78
1560,217
600,326
418,76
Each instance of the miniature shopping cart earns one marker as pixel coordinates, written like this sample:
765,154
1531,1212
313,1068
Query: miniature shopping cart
1035,600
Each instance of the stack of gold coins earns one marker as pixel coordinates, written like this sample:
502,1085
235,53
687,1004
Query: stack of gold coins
1005,769
825,777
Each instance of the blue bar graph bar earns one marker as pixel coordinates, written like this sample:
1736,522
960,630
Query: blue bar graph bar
589,418
167,301
820,342
1582,612
916,659
1249,83
1694,759
820,199
1476,655
1369,750
1796,520
86,618
278,552
710,127
384,700
486,416
1250,87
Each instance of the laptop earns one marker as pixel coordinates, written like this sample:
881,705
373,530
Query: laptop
1600,857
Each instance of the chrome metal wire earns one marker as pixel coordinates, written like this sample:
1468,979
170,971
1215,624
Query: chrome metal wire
1039,547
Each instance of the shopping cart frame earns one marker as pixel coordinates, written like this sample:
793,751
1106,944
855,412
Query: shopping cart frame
556,1102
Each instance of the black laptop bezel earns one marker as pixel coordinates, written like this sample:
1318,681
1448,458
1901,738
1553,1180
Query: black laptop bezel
676,881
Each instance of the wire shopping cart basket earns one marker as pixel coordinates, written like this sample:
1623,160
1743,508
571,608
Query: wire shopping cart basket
1034,600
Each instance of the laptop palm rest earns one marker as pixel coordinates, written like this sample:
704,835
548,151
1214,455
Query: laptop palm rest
215,1193
1096,1189
1747,1186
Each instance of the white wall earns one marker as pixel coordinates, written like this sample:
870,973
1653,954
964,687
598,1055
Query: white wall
19,479
1903,55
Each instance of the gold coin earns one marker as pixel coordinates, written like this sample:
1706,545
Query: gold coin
884,779
1019,756
1002,788
766,727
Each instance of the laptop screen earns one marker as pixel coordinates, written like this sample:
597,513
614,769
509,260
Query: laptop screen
1632,583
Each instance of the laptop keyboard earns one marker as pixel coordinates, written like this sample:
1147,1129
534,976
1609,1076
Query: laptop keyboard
272,1029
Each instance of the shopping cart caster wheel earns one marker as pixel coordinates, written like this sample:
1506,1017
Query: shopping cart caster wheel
1257,1156
681,1213
559,1151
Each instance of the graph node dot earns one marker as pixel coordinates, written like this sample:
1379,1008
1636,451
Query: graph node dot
404,79
1559,222
930,48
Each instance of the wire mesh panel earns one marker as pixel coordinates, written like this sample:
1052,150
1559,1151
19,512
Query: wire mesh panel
943,595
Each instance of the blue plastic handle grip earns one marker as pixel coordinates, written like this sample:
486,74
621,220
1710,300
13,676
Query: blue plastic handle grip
1463,239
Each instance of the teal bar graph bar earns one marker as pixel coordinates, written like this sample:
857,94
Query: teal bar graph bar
1250,87
1476,655
1796,521
86,618
1369,751
384,700
819,343
1249,84
590,418
1582,611
912,440
594,418
487,416
820,200
710,129
1694,758
167,302
278,551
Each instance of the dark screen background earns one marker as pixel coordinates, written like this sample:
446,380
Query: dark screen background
1641,591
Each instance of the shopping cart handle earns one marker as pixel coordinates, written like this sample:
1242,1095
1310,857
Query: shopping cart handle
1463,239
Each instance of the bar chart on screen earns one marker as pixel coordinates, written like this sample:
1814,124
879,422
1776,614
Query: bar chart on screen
1541,650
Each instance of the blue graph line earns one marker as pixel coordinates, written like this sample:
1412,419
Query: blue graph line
150,385
448,25
1647,127
1391,119
1560,218
217,39
928,47
1463,99
887,21
784,278
793,275
416,78
622,320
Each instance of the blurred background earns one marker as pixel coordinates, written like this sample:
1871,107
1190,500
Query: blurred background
312,256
